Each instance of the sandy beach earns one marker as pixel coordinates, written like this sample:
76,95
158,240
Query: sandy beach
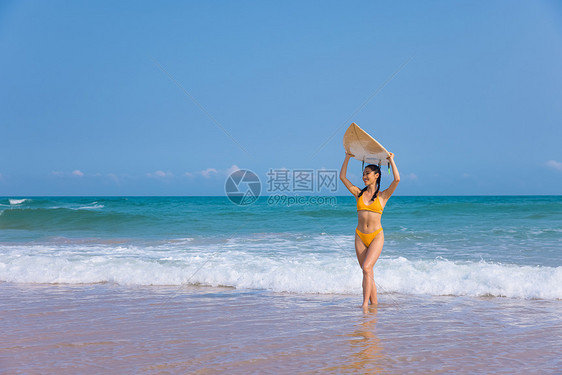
201,330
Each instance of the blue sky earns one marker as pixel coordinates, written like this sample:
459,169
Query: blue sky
166,98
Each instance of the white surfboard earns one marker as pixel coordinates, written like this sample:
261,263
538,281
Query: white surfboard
365,148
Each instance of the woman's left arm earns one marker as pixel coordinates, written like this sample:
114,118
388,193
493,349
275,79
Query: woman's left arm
390,190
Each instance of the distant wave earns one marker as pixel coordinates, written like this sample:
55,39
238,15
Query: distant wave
17,201
92,207
302,273
70,218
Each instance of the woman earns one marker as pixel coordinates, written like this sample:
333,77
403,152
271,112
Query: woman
369,237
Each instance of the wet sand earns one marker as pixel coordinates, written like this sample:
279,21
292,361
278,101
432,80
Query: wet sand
106,328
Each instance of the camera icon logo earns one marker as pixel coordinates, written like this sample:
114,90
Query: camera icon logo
242,187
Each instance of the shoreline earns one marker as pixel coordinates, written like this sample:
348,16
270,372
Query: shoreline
107,327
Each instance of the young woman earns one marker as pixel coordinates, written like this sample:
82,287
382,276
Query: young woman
369,237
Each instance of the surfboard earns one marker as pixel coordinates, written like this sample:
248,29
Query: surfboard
365,148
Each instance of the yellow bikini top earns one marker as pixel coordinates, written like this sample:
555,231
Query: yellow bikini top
373,207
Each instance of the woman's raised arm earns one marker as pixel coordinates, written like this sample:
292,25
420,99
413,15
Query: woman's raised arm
343,172
390,190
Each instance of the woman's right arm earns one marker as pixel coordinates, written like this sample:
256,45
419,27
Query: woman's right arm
352,188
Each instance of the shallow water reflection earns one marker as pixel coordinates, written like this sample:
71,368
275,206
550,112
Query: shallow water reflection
365,350
108,328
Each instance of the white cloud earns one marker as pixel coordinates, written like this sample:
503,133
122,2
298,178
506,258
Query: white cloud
160,174
114,178
232,169
411,176
556,165
76,172
208,172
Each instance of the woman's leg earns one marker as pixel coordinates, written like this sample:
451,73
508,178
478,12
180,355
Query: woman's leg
361,251
371,256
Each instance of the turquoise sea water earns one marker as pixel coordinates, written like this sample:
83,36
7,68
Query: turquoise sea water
477,246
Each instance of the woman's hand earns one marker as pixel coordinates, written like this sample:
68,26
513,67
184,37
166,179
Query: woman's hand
390,156
349,155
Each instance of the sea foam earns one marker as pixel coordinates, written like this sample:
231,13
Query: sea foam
16,201
324,273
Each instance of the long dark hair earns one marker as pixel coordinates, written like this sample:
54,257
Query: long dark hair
376,169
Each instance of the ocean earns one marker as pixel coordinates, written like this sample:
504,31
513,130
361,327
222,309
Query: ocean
475,246
485,264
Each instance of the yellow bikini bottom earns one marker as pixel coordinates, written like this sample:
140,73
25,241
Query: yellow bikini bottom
367,238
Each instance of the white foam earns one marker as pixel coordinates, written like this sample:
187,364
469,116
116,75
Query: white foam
442,277
92,207
303,271
17,201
